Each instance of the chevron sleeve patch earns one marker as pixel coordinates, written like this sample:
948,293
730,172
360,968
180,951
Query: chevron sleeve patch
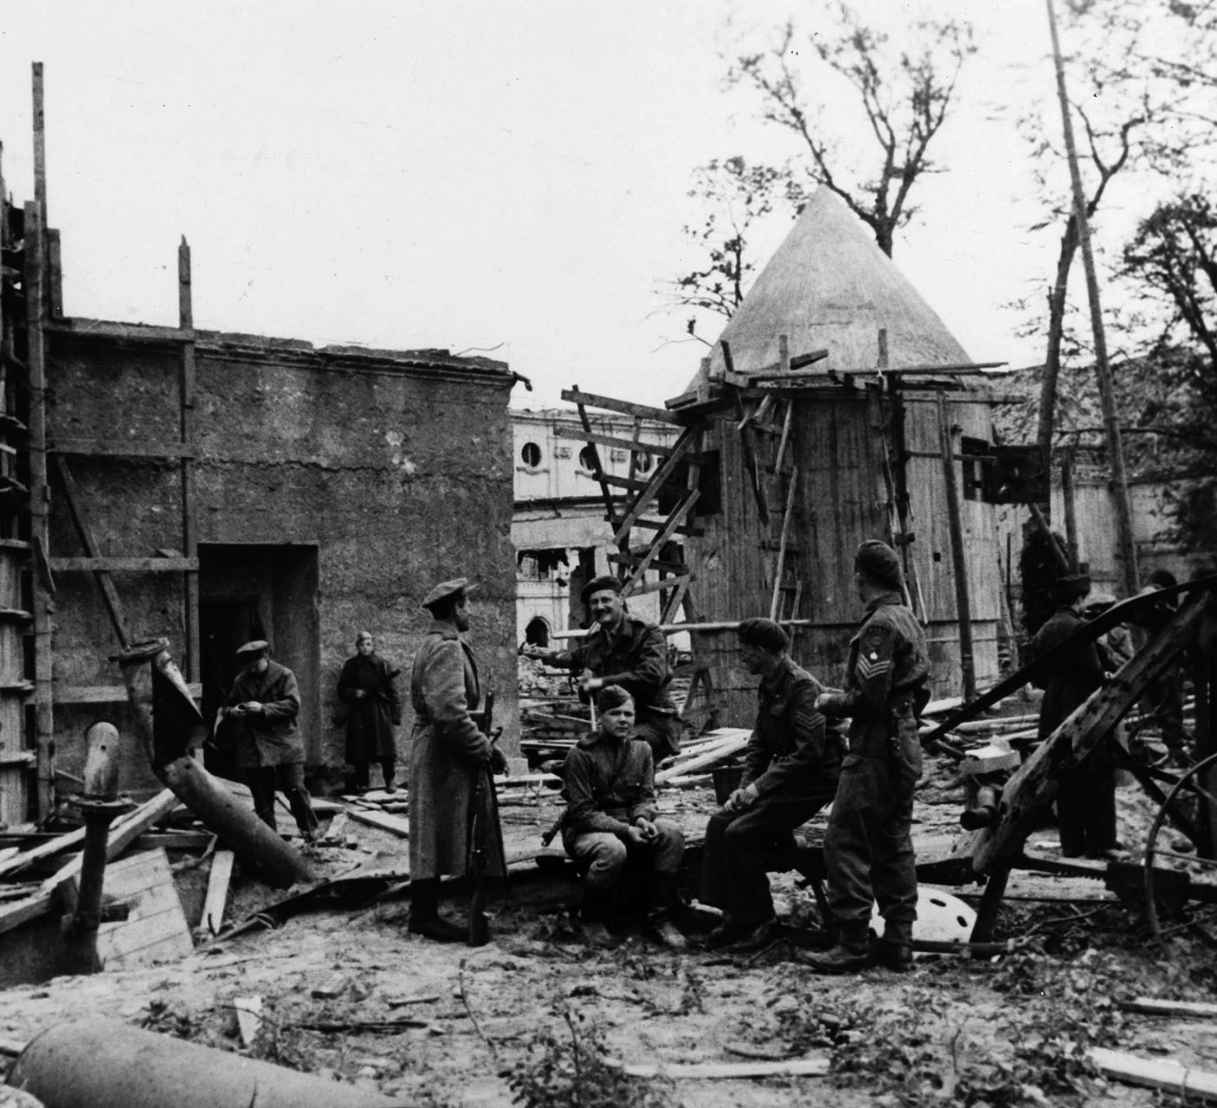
867,670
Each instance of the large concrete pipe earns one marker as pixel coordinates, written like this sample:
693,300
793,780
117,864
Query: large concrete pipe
170,725
100,1063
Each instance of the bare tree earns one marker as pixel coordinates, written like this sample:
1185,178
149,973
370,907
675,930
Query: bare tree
906,95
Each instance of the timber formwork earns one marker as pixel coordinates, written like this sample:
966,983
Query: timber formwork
34,467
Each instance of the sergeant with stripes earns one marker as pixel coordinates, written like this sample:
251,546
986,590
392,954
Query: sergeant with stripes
868,850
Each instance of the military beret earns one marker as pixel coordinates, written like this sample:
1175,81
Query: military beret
609,697
597,584
257,646
763,633
879,562
446,589
1072,586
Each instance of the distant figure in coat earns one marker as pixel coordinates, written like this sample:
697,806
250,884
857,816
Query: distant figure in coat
447,751
611,817
1086,794
373,707
262,709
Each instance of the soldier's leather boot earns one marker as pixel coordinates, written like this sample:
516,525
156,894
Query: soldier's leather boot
666,933
894,954
852,952
425,919
597,909
665,902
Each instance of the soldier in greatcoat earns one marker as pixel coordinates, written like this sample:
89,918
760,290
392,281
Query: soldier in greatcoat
373,710
868,849
447,751
262,709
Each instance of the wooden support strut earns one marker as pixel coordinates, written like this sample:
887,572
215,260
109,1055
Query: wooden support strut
959,564
186,385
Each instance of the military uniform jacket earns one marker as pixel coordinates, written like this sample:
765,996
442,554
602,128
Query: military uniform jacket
790,749
887,675
634,656
447,751
1076,676
608,784
271,738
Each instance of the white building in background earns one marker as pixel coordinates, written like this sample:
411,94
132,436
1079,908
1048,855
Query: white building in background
561,536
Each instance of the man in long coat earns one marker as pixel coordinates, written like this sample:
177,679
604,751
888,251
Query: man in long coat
448,752
262,708
373,709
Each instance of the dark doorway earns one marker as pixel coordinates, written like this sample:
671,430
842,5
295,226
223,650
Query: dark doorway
261,592
537,632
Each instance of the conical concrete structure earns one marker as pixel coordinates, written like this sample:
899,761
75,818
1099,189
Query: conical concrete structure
830,286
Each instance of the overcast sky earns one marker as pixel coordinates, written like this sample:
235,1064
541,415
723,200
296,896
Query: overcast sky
506,176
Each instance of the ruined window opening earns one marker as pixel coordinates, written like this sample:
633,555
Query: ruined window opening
642,461
537,632
543,565
530,455
587,458
973,454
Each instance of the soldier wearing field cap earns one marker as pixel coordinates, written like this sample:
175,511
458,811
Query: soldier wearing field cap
791,766
868,849
624,650
262,709
447,751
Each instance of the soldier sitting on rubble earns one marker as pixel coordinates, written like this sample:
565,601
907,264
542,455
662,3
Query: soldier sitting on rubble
610,820
790,772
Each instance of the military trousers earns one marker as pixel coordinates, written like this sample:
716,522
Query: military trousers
603,856
263,782
868,850
740,848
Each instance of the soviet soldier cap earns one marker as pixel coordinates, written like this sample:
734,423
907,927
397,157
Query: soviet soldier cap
446,589
257,646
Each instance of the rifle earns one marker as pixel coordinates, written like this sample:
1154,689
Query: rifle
483,797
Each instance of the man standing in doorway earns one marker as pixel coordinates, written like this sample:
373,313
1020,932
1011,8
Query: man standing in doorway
626,651
868,850
447,753
263,707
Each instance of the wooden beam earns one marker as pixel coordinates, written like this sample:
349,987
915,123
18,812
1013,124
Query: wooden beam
217,891
105,694
104,448
658,479
626,407
35,299
1156,1073
959,561
73,499
122,332
108,564
186,389
616,443
670,582
780,565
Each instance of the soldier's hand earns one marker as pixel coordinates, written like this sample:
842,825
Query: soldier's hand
741,799
648,829
252,706
634,836
359,694
498,760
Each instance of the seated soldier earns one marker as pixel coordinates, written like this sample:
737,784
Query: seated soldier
790,772
610,818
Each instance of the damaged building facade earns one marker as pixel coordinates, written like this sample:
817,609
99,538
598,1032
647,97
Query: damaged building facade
214,488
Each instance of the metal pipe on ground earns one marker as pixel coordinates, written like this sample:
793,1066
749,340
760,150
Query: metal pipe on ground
100,1063
170,725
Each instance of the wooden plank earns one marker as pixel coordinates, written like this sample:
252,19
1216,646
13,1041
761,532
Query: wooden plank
155,929
125,332
631,483
1198,1009
628,445
658,479
626,407
123,833
40,504
780,562
728,1071
105,694
217,891
660,524
395,825
701,761
669,582
32,907
1156,1073
105,448
113,564
75,503
186,388
664,533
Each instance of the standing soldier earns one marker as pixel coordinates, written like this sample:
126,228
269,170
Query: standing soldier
790,772
868,850
447,752
263,706
626,651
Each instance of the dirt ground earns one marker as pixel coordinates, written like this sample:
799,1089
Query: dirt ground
537,1016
